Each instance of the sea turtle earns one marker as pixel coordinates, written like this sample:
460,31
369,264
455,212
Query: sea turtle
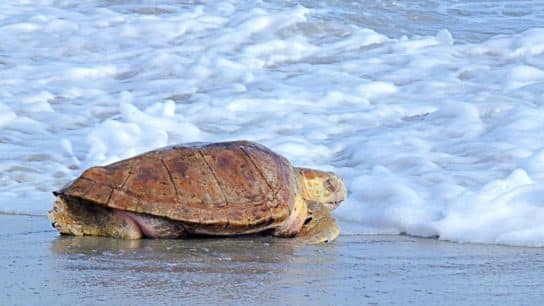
228,188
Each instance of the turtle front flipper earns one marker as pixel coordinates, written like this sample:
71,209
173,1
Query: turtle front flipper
320,226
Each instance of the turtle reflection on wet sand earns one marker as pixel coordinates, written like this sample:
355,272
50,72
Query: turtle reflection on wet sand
218,189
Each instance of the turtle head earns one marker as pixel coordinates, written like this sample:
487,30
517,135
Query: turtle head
321,186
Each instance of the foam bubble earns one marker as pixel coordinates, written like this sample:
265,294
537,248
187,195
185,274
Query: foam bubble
89,73
523,75
445,37
373,90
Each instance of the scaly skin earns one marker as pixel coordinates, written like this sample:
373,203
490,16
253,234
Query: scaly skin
311,221
92,220
320,226
322,192
323,187
82,220
296,219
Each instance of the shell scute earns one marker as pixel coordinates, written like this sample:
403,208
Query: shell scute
122,199
237,216
188,213
278,173
78,188
238,178
151,183
113,175
213,215
99,193
192,177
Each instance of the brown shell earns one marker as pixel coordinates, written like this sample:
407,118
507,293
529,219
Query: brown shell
228,185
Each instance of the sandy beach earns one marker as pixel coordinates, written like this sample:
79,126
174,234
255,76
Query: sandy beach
40,267
432,112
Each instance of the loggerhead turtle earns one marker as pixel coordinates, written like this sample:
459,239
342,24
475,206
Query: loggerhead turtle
229,188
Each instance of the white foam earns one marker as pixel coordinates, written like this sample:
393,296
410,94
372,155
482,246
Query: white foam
524,75
90,73
6,115
437,132
374,90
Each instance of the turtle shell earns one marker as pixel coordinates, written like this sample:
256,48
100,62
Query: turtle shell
226,186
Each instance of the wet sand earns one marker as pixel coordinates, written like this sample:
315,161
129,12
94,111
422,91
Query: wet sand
40,267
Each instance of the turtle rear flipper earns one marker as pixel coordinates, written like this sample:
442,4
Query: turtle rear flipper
76,218
320,226
80,219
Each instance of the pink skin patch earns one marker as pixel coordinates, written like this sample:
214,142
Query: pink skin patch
151,226
145,227
138,222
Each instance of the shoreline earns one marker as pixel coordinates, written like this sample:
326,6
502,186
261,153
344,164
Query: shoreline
342,234
39,266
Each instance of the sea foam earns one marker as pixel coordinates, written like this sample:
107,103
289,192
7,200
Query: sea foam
437,129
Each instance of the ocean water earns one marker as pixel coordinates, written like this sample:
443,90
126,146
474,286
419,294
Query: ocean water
432,111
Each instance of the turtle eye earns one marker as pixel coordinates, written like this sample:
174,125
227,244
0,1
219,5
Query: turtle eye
329,185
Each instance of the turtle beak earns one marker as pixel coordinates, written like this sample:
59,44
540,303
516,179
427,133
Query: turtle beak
340,194
332,205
